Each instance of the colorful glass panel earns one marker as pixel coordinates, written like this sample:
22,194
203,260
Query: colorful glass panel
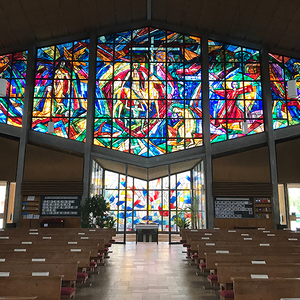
234,76
286,111
143,70
140,200
61,88
13,68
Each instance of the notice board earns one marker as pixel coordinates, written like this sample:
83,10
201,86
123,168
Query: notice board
60,206
234,207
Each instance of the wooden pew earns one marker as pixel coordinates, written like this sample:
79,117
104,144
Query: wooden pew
228,271
212,258
46,287
19,268
265,289
82,259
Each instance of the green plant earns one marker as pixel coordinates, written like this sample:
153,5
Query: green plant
95,213
181,221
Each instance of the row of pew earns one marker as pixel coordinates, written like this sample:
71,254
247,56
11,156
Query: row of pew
47,263
247,264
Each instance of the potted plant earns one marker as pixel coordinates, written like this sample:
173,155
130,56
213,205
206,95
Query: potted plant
181,221
95,213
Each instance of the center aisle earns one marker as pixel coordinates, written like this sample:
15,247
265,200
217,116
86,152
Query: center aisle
146,271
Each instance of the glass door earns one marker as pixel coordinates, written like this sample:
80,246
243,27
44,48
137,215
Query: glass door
294,205
3,187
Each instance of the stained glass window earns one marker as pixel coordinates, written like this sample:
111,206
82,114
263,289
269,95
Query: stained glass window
60,93
148,92
139,200
235,91
286,111
13,68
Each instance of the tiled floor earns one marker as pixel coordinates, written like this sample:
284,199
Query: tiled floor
146,271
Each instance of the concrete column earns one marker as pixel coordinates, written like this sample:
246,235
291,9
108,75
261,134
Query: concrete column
90,117
26,125
206,137
267,105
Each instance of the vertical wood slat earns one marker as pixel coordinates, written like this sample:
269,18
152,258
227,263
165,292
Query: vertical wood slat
52,188
242,189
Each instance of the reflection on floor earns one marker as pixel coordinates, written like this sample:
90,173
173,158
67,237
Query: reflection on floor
130,237
146,271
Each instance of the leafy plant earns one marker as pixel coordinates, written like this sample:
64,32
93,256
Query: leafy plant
181,221
95,213
189,216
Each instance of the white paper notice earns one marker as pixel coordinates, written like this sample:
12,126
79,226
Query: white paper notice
26,243
33,230
193,230
20,250
210,244
75,250
231,230
293,239
244,234
258,262
259,276
72,243
222,251
205,238
207,233
47,237
38,259
266,231
264,245
271,234
30,198
247,239
4,274
4,237
81,233
2,259
84,238
40,273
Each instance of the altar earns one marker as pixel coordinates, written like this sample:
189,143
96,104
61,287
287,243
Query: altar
147,233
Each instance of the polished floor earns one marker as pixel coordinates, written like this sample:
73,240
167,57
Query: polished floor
147,271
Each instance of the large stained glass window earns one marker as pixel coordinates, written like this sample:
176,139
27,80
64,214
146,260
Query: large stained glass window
140,200
13,68
286,111
235,91
148,92
60,93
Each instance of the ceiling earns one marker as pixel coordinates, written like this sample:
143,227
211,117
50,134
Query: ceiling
147,173
274,22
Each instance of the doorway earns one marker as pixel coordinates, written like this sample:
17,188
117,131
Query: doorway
293,194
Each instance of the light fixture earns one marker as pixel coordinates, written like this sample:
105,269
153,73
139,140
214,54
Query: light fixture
244,127
3,87
50,127
292,89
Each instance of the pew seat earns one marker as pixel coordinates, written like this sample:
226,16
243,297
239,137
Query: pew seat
67,292
227,295
82,277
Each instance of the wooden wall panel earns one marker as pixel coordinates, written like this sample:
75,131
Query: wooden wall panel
288,161
230,223
42,164
247,166
8,159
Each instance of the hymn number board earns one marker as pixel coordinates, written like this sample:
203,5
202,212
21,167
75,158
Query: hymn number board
64,206
234,207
